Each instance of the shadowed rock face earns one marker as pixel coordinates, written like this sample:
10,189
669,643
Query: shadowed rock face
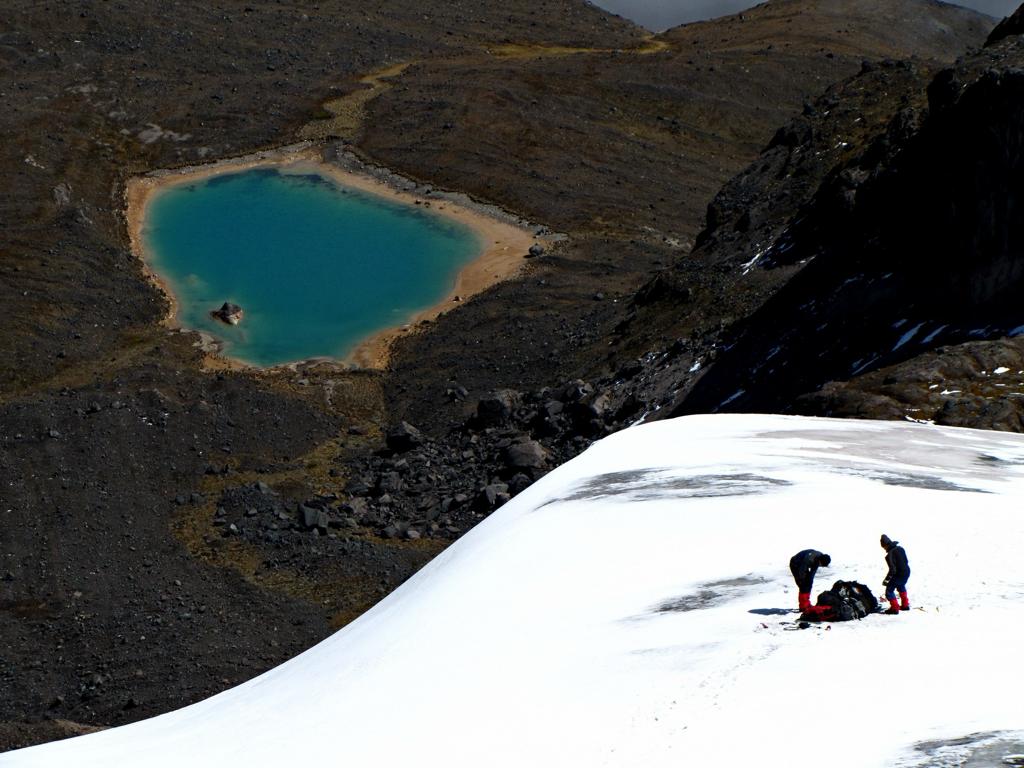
664,131
677,324
917,243
977,384
1011,26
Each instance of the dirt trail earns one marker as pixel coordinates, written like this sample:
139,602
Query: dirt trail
348,112
525,51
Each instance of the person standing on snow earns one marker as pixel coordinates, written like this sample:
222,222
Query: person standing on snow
899,572
803,565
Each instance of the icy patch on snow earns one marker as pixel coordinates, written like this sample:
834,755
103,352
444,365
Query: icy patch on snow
648,484
711,593
976,750
1012,461
910,480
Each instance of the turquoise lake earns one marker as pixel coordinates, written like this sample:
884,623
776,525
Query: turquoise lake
316,267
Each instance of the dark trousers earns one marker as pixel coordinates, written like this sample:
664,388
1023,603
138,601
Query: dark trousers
804,580
896,586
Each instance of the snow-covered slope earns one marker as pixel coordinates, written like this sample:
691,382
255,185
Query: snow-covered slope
633,608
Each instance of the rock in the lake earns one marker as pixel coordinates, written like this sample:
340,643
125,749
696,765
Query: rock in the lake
228,313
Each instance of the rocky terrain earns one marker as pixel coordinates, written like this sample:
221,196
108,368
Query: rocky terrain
902,254
119,597
665,130
170,527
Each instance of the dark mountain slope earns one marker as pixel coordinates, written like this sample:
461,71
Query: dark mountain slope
119,597
98,91
904,255
676,323
976,384
621,152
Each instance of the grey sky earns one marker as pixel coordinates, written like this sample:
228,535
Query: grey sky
662,14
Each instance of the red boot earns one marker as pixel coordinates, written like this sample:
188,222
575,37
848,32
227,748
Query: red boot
805,601
904,602
894,607
818,612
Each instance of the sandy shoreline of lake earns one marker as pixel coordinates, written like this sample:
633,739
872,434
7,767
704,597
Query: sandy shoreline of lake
505,238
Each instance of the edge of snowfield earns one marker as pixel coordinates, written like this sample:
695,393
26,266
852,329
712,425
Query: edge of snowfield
627,610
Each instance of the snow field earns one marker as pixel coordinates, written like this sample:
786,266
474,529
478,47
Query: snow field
629,609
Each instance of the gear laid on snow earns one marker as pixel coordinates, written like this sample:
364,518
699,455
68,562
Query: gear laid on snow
847,600
803,565
898,575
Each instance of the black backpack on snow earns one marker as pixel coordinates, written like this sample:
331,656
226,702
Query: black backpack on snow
848,600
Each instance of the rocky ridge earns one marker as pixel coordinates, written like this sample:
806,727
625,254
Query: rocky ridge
912,246
874,233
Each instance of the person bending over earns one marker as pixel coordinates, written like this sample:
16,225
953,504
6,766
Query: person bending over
803,565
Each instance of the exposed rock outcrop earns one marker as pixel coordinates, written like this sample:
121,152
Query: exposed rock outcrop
915,243
228,313
1011,26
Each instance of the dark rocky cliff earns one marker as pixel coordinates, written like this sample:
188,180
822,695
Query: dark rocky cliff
623,153
877,229
916,243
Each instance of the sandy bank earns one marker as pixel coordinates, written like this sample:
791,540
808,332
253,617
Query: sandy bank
505,237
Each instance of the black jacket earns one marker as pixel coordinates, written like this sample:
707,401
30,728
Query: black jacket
805,563
899,566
